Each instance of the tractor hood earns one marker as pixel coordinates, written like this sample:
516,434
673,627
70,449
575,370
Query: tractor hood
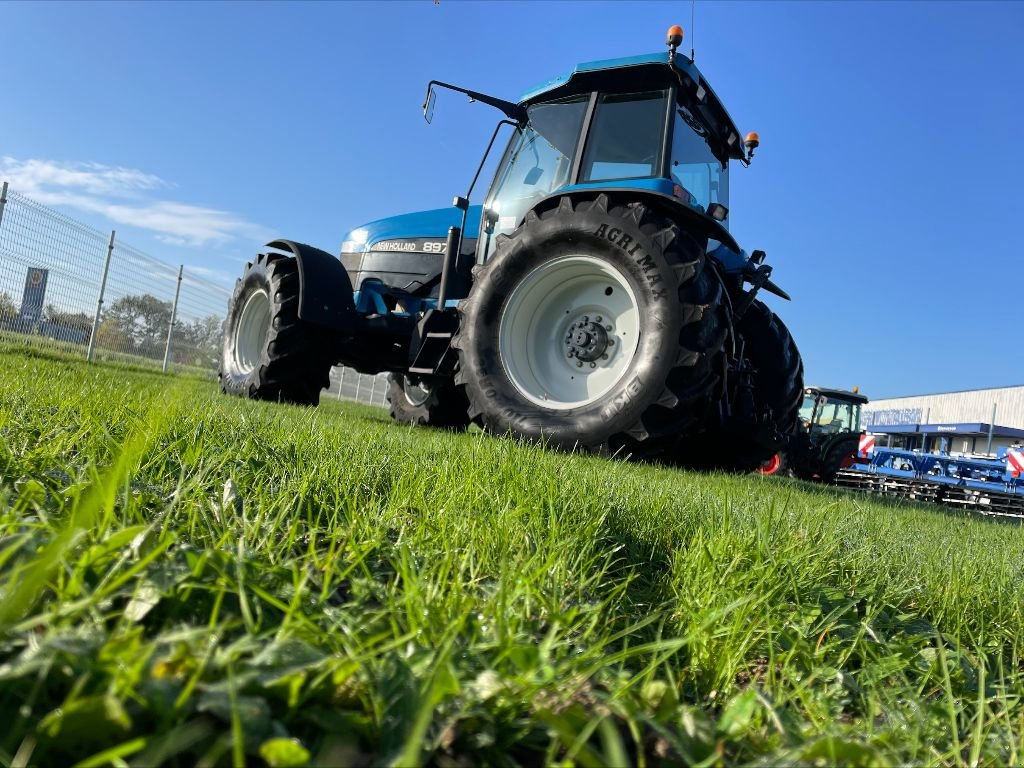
431,224
650,70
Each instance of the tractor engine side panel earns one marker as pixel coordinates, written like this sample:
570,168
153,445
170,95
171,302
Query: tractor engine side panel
411,264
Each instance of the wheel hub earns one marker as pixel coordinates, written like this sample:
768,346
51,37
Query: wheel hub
586,339
416,393
569,331
251,331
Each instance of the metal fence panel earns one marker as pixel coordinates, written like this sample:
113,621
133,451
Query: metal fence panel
136,307
349,384
65,285
198,336
50,267
68,286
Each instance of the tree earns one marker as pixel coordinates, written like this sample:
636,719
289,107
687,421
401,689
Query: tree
110,336
8,309
70,320
198,343
139,322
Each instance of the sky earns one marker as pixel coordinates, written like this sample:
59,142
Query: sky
887,190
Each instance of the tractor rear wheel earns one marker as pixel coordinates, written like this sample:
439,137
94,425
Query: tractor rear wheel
416,402
745,444
268,352
595,326
779,369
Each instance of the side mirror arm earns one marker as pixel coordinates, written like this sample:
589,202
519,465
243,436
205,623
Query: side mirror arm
511,110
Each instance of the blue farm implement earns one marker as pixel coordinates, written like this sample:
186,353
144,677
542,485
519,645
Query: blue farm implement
594,299
986,486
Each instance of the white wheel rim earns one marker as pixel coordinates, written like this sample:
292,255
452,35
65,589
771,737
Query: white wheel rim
251,331
534,331
415,394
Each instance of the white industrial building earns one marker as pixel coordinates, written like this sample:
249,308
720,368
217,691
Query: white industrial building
976,421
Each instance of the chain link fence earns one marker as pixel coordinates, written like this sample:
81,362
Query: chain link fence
66,286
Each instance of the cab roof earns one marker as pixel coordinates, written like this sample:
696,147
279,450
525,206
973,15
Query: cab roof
840,394
650,70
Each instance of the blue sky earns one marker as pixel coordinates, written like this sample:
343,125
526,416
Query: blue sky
887,190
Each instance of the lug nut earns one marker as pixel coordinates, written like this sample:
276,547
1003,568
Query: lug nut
608,327
569,353
593,365
586,319
604,357
579,363
597,319
611,342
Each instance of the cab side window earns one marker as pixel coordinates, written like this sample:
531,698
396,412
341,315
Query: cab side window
625,137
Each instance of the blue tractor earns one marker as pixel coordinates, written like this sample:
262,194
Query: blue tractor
595,300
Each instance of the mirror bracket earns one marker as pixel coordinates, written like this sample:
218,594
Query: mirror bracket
511,110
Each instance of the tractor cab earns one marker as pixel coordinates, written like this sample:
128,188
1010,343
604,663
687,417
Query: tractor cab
829,413
828,434
645,123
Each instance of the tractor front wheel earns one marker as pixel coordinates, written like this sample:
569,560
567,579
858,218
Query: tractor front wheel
417,402
268,352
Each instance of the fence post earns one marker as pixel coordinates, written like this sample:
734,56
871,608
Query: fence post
359,381
174,312
373,389
3,201
341,381
99,298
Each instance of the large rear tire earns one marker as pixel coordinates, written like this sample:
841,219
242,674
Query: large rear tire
745,444
594,326
268,352
779,368
443,406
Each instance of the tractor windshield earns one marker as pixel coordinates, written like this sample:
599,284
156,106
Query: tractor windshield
823,414
538,160
695,167
624,142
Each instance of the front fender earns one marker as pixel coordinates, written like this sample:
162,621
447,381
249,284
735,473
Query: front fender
325,290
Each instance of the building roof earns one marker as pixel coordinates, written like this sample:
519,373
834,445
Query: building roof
948,392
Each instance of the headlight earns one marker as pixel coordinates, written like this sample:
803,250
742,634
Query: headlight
355,241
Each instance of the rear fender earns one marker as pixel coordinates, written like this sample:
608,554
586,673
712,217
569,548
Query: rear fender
692,220
325,291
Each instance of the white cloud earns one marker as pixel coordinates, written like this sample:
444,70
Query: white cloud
122,196
213,275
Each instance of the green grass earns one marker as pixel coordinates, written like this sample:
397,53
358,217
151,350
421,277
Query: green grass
12,342
189,579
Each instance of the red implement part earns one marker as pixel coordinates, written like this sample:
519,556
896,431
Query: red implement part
771,466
